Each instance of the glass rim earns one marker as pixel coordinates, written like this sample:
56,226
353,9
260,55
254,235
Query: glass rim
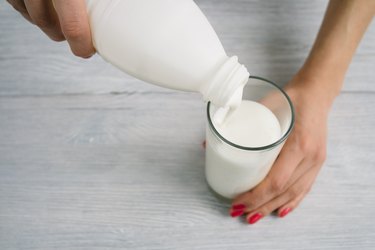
269,146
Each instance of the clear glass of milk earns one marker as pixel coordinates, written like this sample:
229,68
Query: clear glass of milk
241,149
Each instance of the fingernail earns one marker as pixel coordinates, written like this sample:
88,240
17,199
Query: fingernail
204,144
238,207
284,212
253,219
236,213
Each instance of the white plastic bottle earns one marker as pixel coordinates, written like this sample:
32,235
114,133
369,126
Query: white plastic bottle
169,43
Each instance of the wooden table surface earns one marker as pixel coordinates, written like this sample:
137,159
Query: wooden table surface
91,158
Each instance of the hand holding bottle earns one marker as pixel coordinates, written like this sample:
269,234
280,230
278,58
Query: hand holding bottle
60,20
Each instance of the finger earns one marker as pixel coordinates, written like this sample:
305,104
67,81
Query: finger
287,201
251,203
75,26
295,193
289,206
268,208
285,165
274,183
44,16
19,6
299,189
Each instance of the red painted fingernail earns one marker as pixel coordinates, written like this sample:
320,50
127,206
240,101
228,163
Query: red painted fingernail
253,219
238,207
236,213
204,144
284,212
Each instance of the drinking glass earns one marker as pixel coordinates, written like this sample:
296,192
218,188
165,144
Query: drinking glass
232,169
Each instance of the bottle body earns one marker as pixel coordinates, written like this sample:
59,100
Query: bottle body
165,42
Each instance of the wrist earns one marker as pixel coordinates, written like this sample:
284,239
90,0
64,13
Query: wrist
315,88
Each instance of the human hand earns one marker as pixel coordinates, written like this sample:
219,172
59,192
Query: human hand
299,162
60,20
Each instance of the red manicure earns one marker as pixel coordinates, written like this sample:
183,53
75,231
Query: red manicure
238,207
236,213
284,212
253,219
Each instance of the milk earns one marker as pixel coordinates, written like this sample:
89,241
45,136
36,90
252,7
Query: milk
230,170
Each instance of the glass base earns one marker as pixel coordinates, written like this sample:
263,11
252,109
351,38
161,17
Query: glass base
218,196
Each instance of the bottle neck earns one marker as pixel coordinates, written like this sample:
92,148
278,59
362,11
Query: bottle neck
226,86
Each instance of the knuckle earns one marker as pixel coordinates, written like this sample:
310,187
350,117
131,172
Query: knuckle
250,205
277,185
317,153
43,23
81,53
72,30
294,192
305,146
321,155
58,38
250,201
266,209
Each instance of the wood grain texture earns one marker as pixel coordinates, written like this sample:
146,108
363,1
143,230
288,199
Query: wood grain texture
91,158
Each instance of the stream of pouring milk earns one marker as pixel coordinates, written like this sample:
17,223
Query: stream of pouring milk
229,170
249,125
